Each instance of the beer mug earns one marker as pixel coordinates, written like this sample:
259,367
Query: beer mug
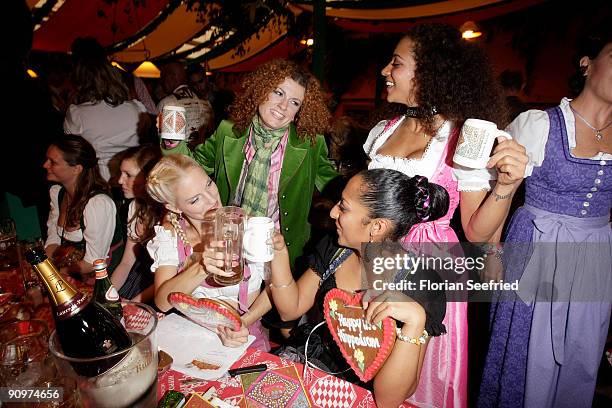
476,142
256,235
173,123
207,232
229,228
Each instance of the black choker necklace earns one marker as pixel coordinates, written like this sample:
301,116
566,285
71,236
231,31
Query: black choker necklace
418,112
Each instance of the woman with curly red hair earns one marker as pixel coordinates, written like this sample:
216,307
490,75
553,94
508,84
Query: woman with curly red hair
269,157
444,80
271,154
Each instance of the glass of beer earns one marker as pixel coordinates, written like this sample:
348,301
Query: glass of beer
229,228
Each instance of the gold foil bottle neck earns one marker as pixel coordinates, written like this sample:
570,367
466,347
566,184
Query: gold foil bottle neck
66,298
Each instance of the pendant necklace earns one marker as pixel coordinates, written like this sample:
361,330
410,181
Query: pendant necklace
598,134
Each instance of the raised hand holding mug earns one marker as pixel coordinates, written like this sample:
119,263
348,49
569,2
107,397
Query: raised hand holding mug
173,125
476,142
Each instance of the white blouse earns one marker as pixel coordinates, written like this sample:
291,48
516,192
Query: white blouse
531,128
163,248
99,217
468,179
109,129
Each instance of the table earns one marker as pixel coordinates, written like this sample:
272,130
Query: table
324,390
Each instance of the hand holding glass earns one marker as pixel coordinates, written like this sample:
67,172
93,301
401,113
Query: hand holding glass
229,229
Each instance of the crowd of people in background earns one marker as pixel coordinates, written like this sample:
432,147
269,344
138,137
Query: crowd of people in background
331,184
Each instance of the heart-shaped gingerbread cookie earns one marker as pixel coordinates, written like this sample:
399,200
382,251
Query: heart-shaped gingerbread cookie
209,313
364,346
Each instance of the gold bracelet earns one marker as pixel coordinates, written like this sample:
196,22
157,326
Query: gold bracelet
282,286
412,340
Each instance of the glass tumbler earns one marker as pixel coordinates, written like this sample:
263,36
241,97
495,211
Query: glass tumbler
229,228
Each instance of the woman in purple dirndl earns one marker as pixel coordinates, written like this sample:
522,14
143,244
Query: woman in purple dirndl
545,349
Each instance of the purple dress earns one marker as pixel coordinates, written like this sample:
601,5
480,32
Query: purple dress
545,353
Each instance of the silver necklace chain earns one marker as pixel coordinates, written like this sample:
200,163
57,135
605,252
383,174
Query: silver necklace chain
598,133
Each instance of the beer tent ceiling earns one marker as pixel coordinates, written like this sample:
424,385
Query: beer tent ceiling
135,30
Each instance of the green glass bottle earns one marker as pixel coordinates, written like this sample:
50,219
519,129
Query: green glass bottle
104,291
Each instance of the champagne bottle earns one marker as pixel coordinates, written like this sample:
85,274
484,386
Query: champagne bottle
85,329
104,292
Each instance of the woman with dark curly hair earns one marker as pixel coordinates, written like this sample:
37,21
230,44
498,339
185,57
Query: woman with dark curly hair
444,80
271,155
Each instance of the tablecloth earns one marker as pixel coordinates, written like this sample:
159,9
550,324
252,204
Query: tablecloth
324,390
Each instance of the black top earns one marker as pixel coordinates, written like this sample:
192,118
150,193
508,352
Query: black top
328,255
322,350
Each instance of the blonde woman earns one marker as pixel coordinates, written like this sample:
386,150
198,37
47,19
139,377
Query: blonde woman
186,191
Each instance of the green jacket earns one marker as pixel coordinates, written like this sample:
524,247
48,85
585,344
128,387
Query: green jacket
305,166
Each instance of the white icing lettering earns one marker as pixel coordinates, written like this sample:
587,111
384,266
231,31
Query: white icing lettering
350,323
353,341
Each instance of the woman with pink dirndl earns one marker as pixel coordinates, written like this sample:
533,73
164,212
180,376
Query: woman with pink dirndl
443,81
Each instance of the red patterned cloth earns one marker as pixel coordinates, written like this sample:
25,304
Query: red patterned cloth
324,390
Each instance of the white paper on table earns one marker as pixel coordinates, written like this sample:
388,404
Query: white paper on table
186,341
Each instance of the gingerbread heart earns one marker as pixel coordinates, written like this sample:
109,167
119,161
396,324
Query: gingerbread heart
364,346
208,313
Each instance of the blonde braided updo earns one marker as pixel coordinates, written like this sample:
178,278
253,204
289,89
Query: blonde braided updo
162,181
174,220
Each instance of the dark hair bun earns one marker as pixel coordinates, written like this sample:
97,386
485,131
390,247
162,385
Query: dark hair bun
439,201
422,198
404,200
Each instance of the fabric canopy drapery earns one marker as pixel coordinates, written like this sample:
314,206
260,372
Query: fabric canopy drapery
108,23
159,30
